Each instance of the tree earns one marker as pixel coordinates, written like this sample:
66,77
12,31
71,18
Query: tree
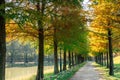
60,60
105,17
64,60
40,73
69,57
2,40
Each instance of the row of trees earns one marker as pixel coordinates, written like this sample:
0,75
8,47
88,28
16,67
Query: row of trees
105,30
20,53
50,25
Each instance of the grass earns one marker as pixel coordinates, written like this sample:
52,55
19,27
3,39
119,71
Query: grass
47,75
117,60
20,73
105,71
24,73
65,75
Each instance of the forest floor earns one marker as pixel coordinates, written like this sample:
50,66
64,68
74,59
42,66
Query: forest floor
87,72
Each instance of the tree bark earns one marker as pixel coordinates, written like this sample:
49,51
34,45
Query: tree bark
107,55
60,60
75,59
111,66
102,59
79,59
69,57
64,60
55,53
72,59
2,42
40,69
98,59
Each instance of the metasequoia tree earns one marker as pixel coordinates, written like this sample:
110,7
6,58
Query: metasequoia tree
2,40
106,15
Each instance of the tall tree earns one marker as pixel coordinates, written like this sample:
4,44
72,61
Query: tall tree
55,51
40,68
60,60
69,57
106,17
111,66
2,40
64,60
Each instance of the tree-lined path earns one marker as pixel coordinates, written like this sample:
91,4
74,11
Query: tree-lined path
87,72
61,34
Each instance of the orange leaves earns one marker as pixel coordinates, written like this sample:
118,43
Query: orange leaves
25,33
97,43
105,16
104,9
105,13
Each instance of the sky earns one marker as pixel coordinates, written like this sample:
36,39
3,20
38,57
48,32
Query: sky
85,4
86,1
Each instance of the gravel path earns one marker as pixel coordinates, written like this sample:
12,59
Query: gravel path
87,72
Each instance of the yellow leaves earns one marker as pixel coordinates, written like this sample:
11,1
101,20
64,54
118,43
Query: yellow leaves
26,33
106,15
105,12
104,9
11,28
97,39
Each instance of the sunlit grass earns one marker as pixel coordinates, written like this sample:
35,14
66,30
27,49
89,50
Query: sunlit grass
117,60
105,71
47,75
24,73
20,73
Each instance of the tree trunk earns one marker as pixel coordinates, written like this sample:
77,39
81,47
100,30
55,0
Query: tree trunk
111,66
12,57
79,59
2,42
69,57
75,59
64,60
40,73
25,57
40,69
99,60
55,53
60,60
83,59
96,59
107,55
72,59
12,51
102,59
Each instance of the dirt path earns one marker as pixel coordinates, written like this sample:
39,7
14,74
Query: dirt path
87,72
